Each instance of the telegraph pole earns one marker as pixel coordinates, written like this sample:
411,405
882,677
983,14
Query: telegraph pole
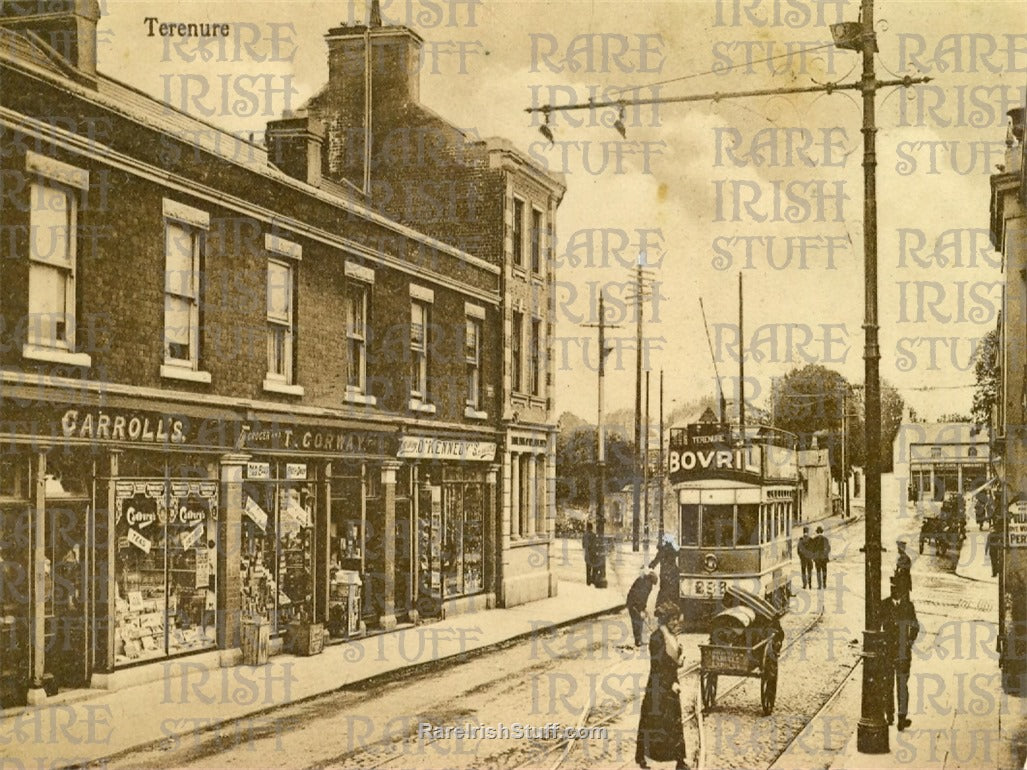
872,731
663,469
645,470
604,351
636,503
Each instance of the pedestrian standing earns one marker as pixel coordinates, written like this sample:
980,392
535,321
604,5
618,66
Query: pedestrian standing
900,628
805,549
638,599
821,548
670,576
903,565
588,548
661,729
993,547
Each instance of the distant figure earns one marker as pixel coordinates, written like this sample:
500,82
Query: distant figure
661,731
993,548
903,565
670,576
900,628
638,599
821,552
589,549
805,549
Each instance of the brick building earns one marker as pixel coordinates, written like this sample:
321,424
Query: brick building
481,195
232,387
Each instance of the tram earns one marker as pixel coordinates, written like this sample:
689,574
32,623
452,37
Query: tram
737,494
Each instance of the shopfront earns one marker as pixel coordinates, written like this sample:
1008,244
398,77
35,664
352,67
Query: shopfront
454,519
109,538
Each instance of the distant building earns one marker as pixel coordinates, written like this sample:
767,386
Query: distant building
934,459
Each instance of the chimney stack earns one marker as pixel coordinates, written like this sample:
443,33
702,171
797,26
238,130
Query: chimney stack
294,145
66,26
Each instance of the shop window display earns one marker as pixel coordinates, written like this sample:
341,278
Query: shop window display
277,551
166,574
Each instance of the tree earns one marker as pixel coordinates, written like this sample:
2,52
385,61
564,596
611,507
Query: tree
987,374
892,408
808,403
955,417
576,471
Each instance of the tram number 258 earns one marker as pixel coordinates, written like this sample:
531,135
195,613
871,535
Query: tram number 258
708,588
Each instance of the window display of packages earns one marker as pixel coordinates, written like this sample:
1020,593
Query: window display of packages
277,559
165,568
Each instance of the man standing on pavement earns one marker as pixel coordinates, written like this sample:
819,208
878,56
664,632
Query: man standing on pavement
638,599
900,629
806,558
588,547
993,546
821,552
903,565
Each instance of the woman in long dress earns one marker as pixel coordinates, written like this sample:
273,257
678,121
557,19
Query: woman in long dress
661,733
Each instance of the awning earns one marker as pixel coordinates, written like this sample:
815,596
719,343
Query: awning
983,486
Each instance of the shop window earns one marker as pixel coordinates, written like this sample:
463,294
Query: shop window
516,341
165,567
536,357
518,232
280,322
278,550
472,361
718,526
536,241
461,551
184,235
935,452
689,524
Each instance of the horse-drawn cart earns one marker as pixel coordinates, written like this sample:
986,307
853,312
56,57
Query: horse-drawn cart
745,640
948,528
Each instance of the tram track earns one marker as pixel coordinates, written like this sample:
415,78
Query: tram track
566,746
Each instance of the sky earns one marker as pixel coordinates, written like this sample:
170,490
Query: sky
705,188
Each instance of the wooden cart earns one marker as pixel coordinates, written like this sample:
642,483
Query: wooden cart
745,640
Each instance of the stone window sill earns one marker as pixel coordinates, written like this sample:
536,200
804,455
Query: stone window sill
173,372
55,355
277,386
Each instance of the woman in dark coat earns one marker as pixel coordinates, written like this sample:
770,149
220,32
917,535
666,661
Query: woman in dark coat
661,732
670,576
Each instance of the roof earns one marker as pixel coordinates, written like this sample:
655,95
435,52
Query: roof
940,433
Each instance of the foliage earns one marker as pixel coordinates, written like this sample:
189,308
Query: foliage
808,402
955,417
987,374
577,471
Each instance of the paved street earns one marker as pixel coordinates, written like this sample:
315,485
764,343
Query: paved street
587,674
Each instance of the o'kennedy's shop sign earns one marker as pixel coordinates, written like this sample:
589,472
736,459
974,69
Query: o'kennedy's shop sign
428,448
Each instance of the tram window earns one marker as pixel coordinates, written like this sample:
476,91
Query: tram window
689,525
718,525
748,525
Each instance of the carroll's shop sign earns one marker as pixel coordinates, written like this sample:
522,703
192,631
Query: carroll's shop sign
105,426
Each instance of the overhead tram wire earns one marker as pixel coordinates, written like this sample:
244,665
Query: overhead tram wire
716,371
718,70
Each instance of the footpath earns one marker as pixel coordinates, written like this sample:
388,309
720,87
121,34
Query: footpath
961,716
86,726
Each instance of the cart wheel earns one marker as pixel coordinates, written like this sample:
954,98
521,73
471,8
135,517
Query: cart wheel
768,683
708,687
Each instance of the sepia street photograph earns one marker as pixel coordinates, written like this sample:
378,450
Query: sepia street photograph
513,384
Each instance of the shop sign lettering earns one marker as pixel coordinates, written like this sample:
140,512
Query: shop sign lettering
139,518
139,541
1016,526
189,538
427,448
296,471
188,515
258,470
100,425
335,441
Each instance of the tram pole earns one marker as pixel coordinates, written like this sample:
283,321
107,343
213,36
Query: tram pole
600,555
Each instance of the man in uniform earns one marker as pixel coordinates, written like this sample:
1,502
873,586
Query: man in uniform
805,549
903,565
900,628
